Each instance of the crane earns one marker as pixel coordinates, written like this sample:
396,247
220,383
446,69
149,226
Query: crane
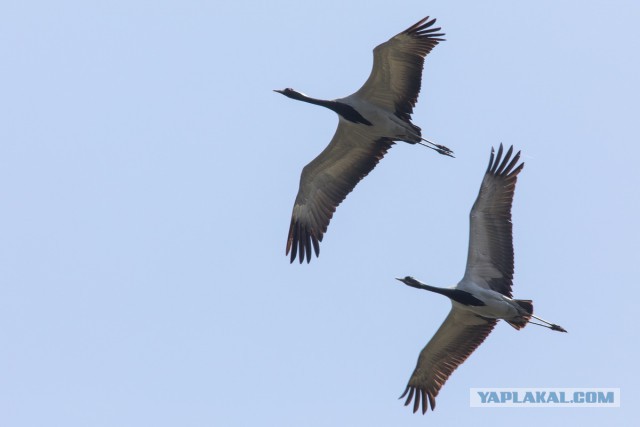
483,296
370,121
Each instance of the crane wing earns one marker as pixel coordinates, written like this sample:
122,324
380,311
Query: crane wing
394,82
458,336
326,181
490,258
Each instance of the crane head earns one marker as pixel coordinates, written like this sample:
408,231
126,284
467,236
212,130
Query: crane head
410,281
290,93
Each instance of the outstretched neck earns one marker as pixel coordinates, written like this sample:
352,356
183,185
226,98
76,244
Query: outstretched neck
460,296
346,111
442,291
302,97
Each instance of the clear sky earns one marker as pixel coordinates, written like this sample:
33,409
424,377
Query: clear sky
147,176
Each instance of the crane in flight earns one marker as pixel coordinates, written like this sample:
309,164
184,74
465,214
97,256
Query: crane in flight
483,296
370,121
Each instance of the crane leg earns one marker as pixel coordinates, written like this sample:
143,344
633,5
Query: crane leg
549,325
437,147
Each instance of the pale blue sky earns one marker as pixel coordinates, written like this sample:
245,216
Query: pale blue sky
147,176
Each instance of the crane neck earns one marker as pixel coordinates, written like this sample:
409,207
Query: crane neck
442,291
458,295
344,110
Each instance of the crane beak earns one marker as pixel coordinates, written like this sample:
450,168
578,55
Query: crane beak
405,280
279,91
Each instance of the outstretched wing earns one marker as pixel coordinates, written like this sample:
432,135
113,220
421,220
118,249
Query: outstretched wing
394,82
458,336
490,258
326,181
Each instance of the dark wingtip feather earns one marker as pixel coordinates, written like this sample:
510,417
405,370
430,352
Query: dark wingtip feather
406,390
422,28
493,152
508,170
300,250
504,162
420,398
416,26
500,166
292,240
416,402
301,243
410,396
307,245
316,244
432,401
497,160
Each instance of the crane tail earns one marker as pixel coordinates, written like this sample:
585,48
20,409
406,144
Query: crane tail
521,322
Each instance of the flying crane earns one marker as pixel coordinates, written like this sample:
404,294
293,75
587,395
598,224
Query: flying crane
483,295
370,121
